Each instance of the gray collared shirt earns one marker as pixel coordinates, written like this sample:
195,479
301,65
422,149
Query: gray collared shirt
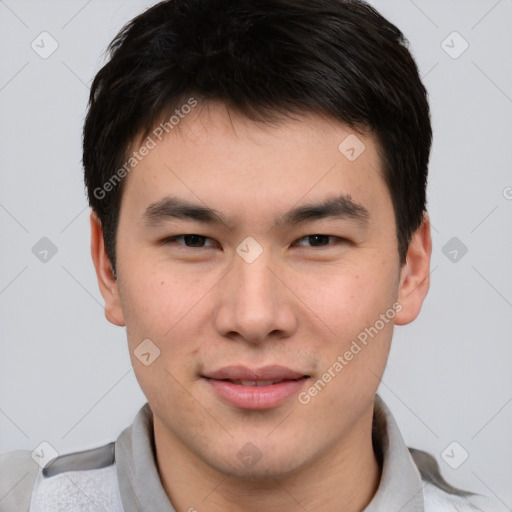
401,489
122,476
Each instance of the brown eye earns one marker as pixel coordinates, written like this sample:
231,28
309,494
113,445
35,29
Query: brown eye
317,240
191,241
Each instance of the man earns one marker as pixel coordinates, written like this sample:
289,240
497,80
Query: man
256,171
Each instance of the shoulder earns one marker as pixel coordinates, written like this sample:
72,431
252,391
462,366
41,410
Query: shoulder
437,500
78,481
439,495
63,484
18,472
86,460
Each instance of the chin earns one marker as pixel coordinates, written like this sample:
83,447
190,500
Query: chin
264,471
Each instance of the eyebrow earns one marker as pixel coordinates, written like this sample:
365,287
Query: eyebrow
338,207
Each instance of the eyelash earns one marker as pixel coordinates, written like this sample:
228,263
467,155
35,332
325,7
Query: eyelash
174,238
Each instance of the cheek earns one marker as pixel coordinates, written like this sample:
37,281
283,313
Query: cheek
166,308
142,304
356,308
360,311
154,298
344,300
159,314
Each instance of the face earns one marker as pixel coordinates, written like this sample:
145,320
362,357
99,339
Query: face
270,250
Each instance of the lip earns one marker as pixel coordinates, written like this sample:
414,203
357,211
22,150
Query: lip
271,372
255,397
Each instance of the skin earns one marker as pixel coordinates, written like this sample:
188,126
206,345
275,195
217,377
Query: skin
298,304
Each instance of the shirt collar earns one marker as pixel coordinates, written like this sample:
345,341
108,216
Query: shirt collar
137,474
400,488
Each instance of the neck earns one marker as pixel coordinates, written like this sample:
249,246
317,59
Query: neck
346,478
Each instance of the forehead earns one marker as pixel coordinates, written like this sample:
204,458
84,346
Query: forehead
222,158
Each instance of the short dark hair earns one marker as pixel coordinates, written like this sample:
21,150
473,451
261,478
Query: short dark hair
263,58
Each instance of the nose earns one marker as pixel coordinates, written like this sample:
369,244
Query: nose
255,304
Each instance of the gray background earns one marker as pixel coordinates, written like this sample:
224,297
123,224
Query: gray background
65,374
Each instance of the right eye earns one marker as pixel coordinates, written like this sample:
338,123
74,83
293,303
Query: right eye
189,241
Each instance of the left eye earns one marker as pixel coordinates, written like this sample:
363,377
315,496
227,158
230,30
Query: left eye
317,240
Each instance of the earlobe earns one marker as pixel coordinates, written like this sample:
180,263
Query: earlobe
415,274
107,281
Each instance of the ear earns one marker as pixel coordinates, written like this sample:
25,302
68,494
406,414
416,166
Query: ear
105,275
415,274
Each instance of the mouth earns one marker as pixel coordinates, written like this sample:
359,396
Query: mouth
260,383
260,389
269,374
